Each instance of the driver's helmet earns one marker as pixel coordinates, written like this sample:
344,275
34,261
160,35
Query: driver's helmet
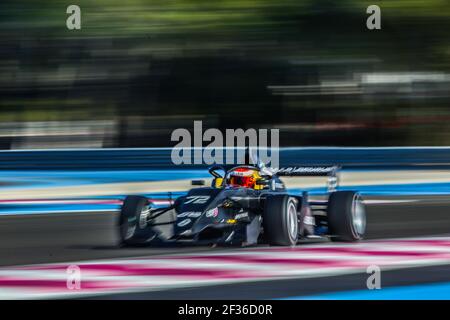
243,177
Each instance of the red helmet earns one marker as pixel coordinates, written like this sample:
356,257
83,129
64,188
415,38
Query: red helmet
242,177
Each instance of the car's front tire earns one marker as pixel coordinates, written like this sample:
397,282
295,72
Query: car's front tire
280,220
346,216
133,227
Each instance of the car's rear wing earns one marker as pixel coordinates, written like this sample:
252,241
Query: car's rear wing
307,171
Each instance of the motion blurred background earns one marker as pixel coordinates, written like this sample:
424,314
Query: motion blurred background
139,69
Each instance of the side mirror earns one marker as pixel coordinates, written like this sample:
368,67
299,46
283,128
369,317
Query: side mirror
198,182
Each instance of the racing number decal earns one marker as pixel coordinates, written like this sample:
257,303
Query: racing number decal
184,222
197,199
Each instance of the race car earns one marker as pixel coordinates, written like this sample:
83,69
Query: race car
247,205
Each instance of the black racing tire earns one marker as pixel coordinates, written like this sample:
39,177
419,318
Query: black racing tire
280,220
133,230
346,216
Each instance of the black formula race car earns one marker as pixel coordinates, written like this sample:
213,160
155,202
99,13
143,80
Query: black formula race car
247,205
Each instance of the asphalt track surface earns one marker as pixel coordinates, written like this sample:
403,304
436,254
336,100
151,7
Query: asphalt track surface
32,239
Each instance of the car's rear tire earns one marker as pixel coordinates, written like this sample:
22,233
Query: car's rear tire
280,220
133,228
346,216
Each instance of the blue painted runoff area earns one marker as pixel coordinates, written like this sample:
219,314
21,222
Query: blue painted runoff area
433,291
